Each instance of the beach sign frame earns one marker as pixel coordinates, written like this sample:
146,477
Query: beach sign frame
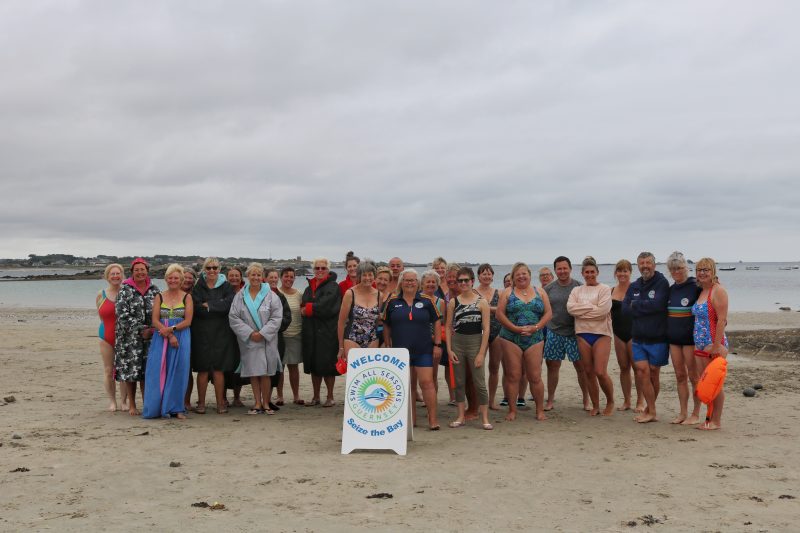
377,406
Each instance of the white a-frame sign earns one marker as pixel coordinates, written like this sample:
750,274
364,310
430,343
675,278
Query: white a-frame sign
377,407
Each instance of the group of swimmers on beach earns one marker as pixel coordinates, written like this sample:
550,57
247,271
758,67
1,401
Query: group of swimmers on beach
248,326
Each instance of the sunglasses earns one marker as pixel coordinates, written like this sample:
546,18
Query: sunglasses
463,280
320,268
212,268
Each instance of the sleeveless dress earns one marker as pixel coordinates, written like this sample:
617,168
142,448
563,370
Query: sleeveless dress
167,371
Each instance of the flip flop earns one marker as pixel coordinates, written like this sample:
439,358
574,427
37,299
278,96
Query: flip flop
255,411
200,410
274,407
488,427
504,402
311,403
456,424
328,403
299,402
434,428
269,412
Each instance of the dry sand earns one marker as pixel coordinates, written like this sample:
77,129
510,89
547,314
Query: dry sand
92,470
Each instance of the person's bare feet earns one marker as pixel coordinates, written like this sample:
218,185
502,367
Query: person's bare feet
691,420
594,411
238,402
640,408
180,416
678,419
494,407
541,416
133,411
708,426
624,407
645,418
609,410
587,406
112,407
470,415
511,416
548,406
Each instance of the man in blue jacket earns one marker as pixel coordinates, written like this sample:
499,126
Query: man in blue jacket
646,301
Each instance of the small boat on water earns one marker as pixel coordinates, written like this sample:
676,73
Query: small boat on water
727,269
784,268
752,268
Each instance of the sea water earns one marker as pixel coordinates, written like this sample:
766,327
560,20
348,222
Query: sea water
765,289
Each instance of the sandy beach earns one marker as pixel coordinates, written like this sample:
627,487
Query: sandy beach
74,466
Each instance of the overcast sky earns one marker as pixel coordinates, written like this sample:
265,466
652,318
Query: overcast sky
487,131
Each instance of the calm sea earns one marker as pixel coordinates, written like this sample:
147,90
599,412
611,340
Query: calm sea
765,289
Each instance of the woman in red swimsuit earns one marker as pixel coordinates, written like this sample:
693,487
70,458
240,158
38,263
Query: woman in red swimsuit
105,308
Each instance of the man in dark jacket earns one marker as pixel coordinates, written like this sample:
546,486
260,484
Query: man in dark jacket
646,302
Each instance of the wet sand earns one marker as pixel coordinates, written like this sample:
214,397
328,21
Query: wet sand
88,469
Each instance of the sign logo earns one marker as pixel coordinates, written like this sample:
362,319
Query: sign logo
684,301
651,294
376,395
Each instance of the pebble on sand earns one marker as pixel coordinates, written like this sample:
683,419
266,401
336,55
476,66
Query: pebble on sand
9,399
749,392
16,436
758,386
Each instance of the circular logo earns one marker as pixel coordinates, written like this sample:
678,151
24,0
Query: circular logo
651,294
376,394
418,305
684,301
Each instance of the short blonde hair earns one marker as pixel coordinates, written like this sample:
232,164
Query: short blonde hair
452,267
438,261
174,267
321,260
110,267
211,261
252,267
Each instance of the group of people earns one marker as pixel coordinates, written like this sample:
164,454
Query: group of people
248,326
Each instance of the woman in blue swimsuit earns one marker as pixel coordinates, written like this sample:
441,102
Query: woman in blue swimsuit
523,311
710,318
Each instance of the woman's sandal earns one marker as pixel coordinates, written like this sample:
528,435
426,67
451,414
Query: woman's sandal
456,424
434,428
312,403
255,411
488,426
269,412
328,403
200,410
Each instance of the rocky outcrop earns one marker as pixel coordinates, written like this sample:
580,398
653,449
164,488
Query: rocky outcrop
772,344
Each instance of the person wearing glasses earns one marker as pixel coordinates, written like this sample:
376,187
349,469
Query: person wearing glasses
467,334
407,320
214,347
320,310
710,319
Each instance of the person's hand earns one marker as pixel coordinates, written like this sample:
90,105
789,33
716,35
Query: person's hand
479,361
173,341
205,305
147,333
256,337
453,357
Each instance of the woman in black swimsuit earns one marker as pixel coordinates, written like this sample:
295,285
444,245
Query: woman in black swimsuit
621,324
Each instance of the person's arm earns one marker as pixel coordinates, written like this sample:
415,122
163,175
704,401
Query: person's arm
98,299
223,304
603,306
344,311
188,314
239,325
652,306
501,312
719,299
576,308
328,302
448,332
486,319
273,324
155,317
548,310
